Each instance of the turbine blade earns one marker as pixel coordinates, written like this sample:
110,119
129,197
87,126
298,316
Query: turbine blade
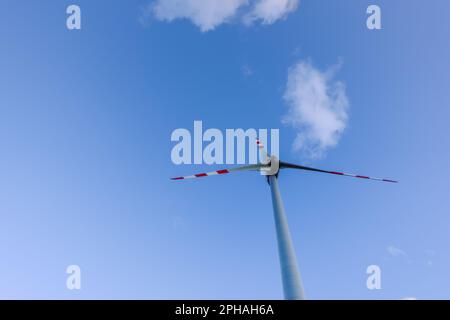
220,172
295,166
263,156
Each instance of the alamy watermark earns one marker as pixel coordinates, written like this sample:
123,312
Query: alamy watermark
212,146
73,281
73,21
374,279
374,20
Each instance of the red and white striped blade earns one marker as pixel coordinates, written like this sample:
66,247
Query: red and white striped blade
295,166
220,172
263,156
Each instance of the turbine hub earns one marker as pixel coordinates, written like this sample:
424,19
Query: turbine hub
272,168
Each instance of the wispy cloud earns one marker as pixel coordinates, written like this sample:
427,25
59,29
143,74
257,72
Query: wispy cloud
269,11
318,108
396,252
430,253
247,71
209,14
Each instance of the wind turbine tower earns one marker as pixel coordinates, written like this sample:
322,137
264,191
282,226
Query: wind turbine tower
270,167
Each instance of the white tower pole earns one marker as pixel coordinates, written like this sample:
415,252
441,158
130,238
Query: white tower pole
292,283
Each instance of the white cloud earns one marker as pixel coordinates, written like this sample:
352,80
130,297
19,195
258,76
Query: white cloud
206,14
269,11
209,14
318,108
409,298
396,252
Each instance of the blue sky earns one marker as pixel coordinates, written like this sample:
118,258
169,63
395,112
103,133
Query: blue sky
85,124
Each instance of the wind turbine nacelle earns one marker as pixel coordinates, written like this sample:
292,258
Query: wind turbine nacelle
272,167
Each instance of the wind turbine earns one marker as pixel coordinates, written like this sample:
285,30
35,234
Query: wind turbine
270,166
